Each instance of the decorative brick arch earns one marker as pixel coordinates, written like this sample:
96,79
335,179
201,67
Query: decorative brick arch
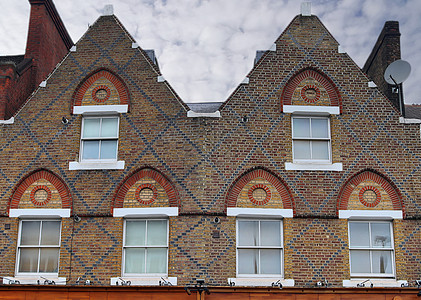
280,186
118,83
25,183
326,82
378,178
135,177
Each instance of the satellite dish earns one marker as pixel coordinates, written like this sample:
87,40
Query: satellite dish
397,72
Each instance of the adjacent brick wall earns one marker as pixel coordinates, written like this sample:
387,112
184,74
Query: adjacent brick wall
386,50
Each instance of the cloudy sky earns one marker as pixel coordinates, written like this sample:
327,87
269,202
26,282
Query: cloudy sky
205,48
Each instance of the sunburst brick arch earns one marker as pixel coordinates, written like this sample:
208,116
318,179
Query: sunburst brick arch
259,188
101,87
367,190
311,87
41,189
146,188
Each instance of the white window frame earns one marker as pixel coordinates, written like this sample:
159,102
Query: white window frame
39,247
145,247
98,164
311,139
372,249
281,247
82,139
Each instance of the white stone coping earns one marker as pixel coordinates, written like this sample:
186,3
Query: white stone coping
192,114
305,166
116,165
409,121
311,110
34,279
39,212
160,79
100,109
10,121
140,212
259,212
260,281
153,280
370,214
376,282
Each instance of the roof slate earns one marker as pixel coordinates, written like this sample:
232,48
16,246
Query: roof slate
204,107
413,111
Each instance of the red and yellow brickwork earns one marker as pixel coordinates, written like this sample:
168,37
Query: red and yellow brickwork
205,165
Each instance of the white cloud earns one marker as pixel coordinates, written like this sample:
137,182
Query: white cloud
205,48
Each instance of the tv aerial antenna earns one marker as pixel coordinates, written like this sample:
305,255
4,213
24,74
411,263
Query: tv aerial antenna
396,73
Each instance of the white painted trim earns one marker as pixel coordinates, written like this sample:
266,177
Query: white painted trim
273,47
306,9
259,212
246,80
134,45
142,280
117,165
43,83
376,282
73,49
145,212
370,214
10,121
311,110
108,10
409,121
100,109
313,167
160,79
192,114
34,280
263,281
39,212
372,84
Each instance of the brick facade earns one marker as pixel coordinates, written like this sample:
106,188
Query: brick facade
205,166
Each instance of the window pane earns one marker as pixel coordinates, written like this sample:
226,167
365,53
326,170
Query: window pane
301,127
50,233
359,234
49,260
301,149
135,233
320,128
270,233
248,261
90,128
156,260
28,260
109,127
270,261
380,235
248,233
108,149
134,260
320,150
90,150
360,261
382,262
30,233
157,233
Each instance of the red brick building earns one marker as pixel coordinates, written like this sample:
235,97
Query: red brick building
306,178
